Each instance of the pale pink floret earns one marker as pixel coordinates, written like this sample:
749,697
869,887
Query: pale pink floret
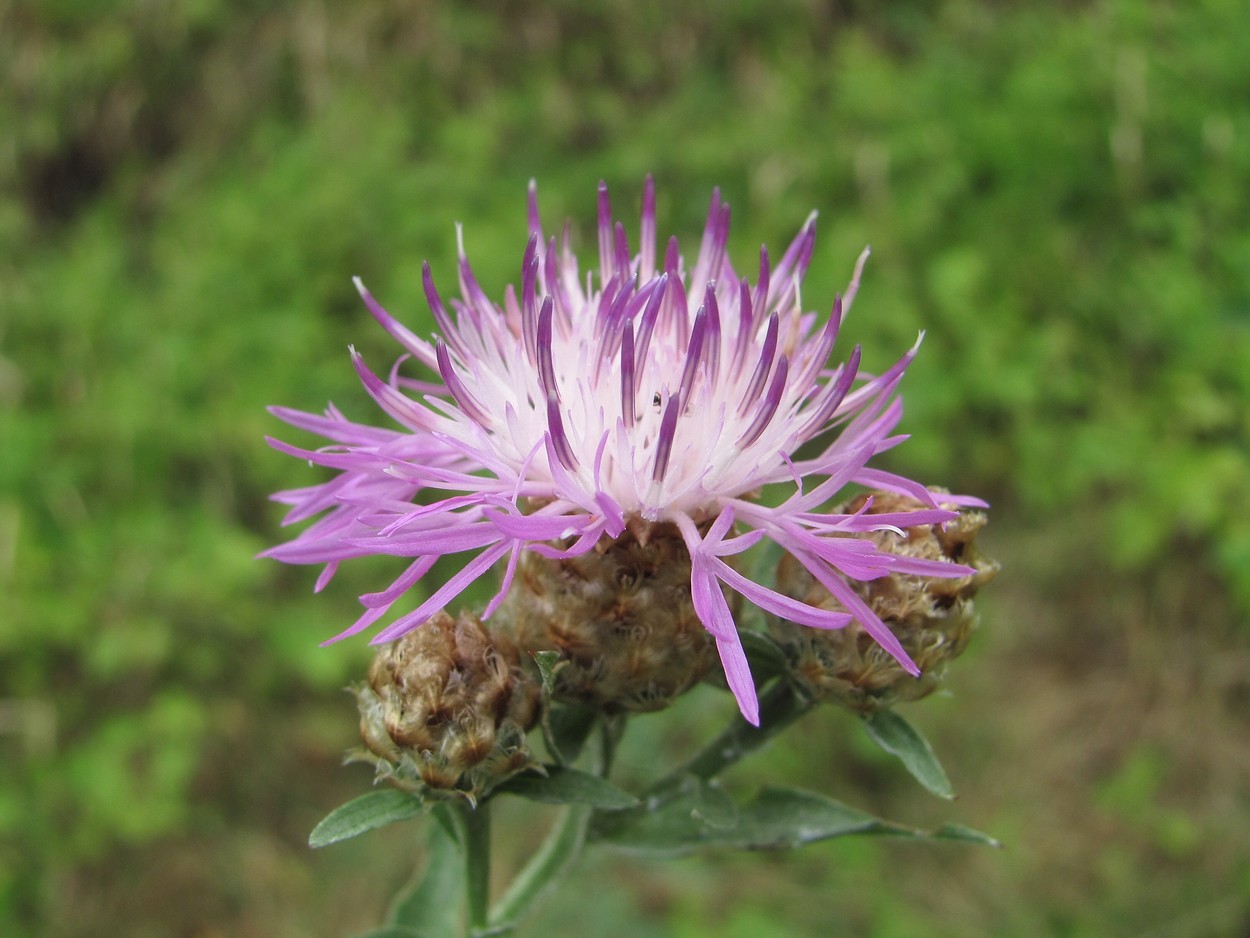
663,393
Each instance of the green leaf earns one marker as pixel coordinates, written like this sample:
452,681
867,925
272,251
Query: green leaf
394,931
437,893
376,809
963,832
777,818
568,786
566,729
547,662
899,738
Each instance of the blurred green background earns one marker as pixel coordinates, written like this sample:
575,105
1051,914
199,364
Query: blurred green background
1058,193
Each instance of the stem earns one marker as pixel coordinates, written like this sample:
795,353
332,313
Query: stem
475,825
564,843
558,852
779,707
612,729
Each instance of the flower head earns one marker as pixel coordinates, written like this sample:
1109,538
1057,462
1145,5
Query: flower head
446,708
645,393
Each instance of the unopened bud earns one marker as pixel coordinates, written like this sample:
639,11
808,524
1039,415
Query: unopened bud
932,617
447,707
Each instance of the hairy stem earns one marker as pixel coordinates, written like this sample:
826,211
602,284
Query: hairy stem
564,843
475,828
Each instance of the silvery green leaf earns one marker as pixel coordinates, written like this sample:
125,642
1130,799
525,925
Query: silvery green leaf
547,662
899,738
777,818
566,728
366,813
563,785
963,832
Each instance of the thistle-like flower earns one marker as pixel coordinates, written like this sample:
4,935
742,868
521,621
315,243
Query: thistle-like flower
580,412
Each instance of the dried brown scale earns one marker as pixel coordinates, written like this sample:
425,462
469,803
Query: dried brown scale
447,707
621,617
933,618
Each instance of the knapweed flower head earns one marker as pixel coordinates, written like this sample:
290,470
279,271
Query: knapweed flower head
446,708
581,410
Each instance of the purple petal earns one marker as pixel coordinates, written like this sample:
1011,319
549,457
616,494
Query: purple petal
664,442
417,346
456,388
538,527
447,539
531,211
889,482
399,407
774,602
560,441
842,592
628,393
605,235
763,367
646,237
445,328
768,407
404,582
546,364
444,594
713,612
505,585
326,575
694,351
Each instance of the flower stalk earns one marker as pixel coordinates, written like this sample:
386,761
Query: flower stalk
474,822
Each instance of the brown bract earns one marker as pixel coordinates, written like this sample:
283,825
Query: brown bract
933,618
448,706
621,618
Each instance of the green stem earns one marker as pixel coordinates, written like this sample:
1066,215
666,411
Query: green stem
558,852
475,826
564,843
779,707
612,729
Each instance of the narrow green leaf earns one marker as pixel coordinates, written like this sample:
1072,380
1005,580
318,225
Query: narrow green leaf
566,729
437,893
899,738
376,809
777,818
393,931
968,834
547,662
568,786
681,825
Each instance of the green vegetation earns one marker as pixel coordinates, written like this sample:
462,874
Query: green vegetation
1056,193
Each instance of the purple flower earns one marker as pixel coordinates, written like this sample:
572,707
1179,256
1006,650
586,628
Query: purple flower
642,391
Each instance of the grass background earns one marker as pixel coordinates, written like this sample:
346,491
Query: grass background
1057,193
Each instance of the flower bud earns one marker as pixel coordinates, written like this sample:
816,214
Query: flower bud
447,707
621,617
932,618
